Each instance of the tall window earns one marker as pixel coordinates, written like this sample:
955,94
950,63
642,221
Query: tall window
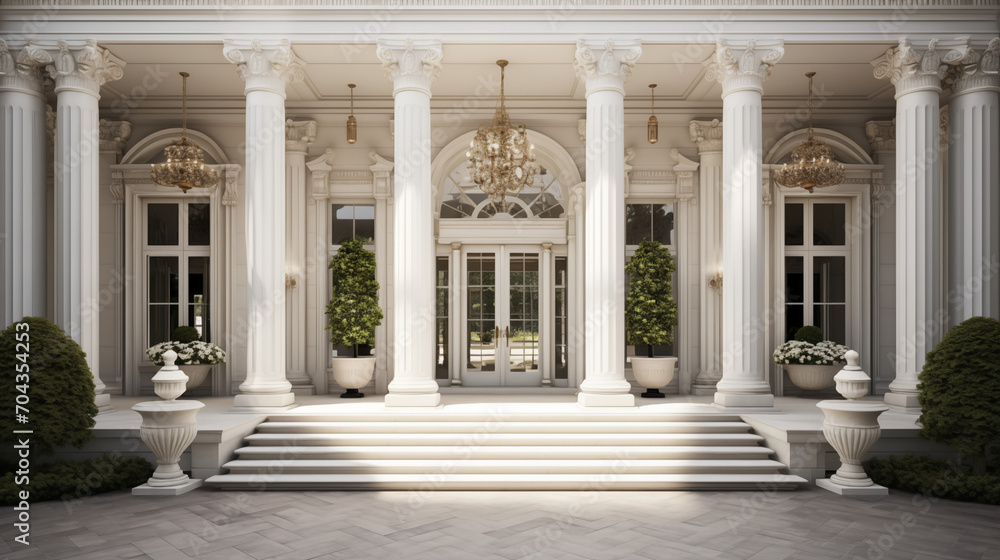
817,261
176,252
441,358
561,326
654,222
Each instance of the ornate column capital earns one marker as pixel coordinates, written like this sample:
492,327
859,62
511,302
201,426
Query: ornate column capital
881,135
22,69
740,68
83,66
409,64
113,135
606,65
264,65
978,71
299,134
707,135
912,70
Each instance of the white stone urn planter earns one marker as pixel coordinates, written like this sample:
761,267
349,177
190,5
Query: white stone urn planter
168,428
852,428
352,374
812,377
197,373
653,373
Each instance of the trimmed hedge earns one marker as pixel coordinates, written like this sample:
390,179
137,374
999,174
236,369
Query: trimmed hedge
58,386
931,477
69,480
185,334
810,334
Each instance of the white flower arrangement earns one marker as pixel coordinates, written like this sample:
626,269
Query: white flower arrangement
823,353
192,353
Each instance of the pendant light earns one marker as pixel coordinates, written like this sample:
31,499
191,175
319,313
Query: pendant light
352,123
185,165
653,127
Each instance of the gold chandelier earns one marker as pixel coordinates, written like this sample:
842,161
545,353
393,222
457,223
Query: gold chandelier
185,165
500,156
813,164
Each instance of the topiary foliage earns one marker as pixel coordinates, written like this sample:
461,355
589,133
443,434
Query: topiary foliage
650,309
353,312
959,386
810,334
185,335
46,372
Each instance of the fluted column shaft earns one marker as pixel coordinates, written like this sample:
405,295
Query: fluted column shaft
742,70
298,136
605,66
974,189
22,171
266,68
920,314
411,67
708,137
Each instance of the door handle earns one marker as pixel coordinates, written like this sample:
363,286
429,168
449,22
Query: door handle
496,337
506,333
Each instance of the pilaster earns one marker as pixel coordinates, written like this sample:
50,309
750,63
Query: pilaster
604,67
742,69
412,66
882,142
266,67
707,135
381,169
113,136
298,136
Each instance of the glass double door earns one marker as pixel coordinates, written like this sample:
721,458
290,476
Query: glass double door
501,317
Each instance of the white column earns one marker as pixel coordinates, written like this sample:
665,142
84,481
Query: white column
79,68
920,313
411,66
974,187
605,66
22,171
381,169
742,69
266,67
298,136
707,135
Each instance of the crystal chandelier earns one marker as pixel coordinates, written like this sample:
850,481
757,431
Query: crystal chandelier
813,164
185,165
500,156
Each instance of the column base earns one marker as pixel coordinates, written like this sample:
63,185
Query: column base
253,402
103,403
402,399
303,389
760,402
605,399
184,488
873,490
703,390
905,403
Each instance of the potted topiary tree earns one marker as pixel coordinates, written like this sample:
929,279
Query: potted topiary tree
353,314
810,361
194,356
651,314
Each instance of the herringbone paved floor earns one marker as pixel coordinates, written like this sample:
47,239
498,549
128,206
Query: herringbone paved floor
808,524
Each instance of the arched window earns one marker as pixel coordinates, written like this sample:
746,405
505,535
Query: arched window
464,199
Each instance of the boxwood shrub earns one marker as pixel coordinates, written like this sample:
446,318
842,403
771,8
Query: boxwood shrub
69,480
931,477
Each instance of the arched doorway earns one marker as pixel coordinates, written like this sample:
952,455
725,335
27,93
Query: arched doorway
505,288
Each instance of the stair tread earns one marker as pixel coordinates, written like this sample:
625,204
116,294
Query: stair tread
539,449
692,463
446,416
516,427
588,436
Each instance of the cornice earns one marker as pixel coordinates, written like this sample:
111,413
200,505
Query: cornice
402,4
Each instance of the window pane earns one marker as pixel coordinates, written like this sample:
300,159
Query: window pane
832,319
561,321
663,223
794,224
162,224
162,322
441,359
829,279
638,223
163,280
794,280
199,224
343,223
828,224
198,296
364,224
794,320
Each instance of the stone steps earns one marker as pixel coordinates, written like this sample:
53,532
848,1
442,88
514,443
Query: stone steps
622,465
649,452
622,427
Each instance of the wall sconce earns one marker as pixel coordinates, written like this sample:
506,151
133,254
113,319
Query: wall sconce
352,123
291,281
653,128
715,282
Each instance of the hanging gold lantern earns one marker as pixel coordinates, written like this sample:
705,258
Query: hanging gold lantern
653,127
352,123
813,164
185,165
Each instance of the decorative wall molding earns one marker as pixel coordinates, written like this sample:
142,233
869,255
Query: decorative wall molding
114,135
707,135
881,135
494,3
299,134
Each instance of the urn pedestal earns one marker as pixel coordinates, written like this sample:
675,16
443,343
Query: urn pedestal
352,374
653,374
